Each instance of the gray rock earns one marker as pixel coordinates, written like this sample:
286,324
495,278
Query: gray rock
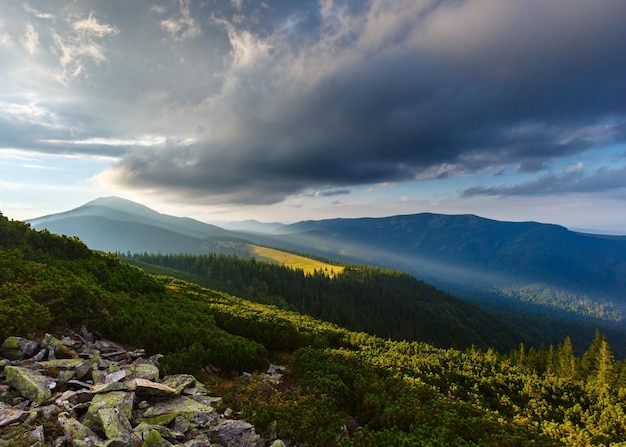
187,412
146,371
154,439
30,384
143,430
235,433
120,400
150,388
116,427
10,415
37,435
76,433
199,442
179,382
18,348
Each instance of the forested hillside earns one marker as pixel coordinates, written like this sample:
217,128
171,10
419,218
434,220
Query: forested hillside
386,303
344,388
521,271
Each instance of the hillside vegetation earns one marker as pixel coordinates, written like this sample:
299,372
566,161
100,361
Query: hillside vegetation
524,273
308,265
345,388
386,303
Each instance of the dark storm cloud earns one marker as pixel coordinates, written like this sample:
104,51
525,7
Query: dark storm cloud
251,102
396,90
572,181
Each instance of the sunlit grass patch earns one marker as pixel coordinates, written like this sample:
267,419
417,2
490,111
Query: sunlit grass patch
308,265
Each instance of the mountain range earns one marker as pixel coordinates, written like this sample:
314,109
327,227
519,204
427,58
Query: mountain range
516,267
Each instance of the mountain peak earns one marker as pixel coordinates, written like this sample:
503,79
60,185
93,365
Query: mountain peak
120,204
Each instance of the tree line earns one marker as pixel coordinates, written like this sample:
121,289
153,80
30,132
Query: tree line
386,303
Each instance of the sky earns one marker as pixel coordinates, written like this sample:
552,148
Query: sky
279,110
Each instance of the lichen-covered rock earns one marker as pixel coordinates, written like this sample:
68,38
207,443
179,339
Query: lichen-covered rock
200,442
50,365
18,348
56,348
77,434
62,369
146,371
210,401
143,430
30,384
235,433
87,366
182,408
116,427
179,382
154,439
121,400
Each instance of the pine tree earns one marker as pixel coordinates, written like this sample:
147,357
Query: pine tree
589,361
605,365
567,363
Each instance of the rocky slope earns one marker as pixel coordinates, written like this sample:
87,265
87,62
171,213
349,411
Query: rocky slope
82,391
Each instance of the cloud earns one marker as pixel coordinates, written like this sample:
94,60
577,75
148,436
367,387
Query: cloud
257,102
81,44
182,26
329,193
387,91
38,14
5,38
573,179
30,39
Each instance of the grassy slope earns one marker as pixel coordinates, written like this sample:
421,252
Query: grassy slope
308,265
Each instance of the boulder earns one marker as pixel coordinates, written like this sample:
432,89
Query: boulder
77,434
57,348
18,348
187,412
235,433
154,439
143,430
10,415
146,371
116,427
179,382
122,401
30,384
150,388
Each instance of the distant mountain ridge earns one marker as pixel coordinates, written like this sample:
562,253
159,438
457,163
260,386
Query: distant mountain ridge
472,246
465,254
120,225
249,225
123,210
